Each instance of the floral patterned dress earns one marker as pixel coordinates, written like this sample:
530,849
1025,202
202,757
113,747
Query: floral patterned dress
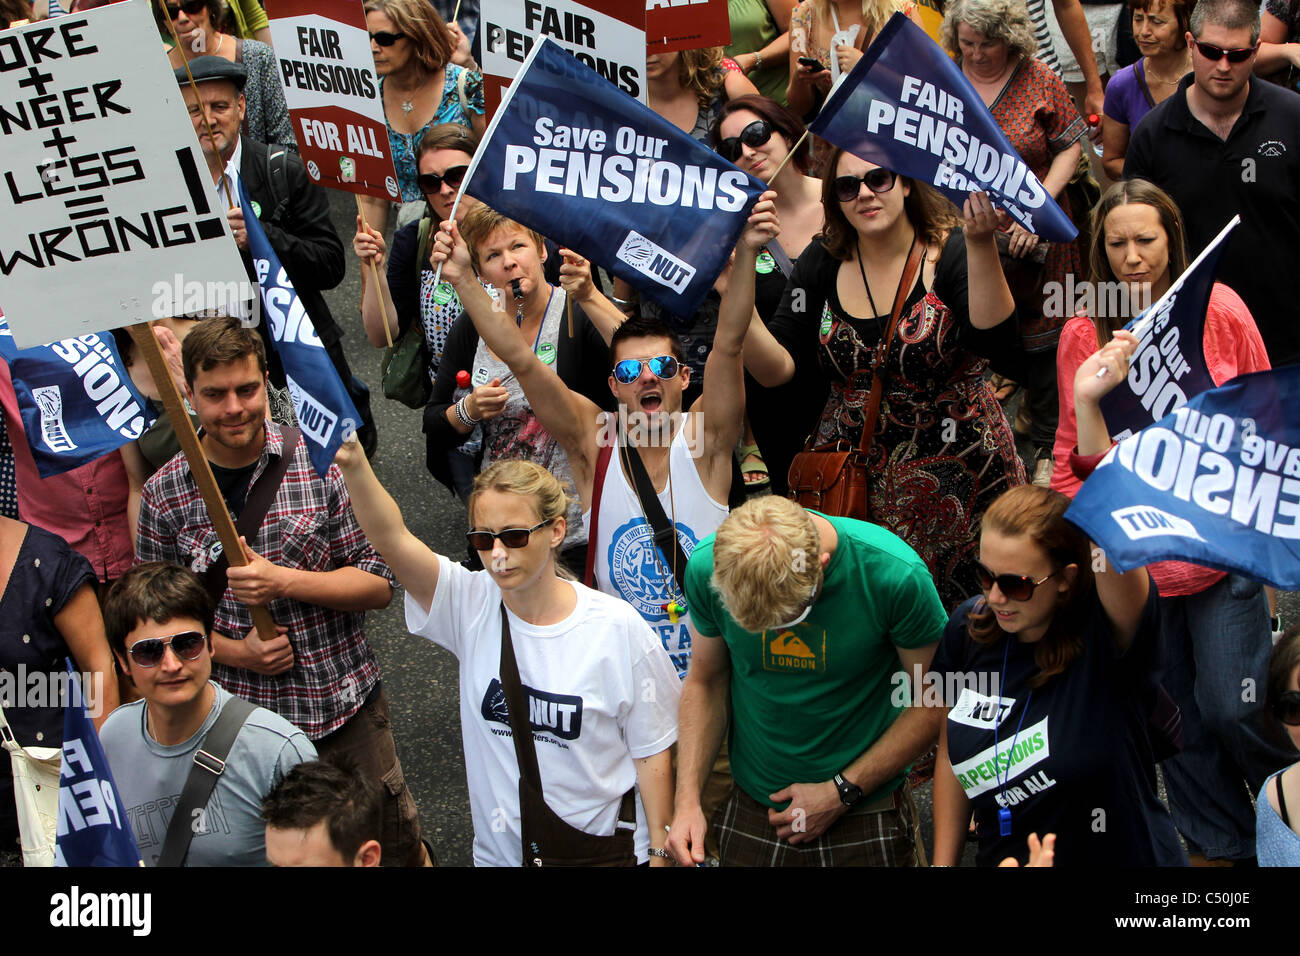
450,110
942,450
1037,115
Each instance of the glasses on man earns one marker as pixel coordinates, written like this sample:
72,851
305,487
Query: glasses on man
510,537
1016,587
754,135
878,180
1216,53
384,38
191,7
1287,708
629,370
187,645
432,182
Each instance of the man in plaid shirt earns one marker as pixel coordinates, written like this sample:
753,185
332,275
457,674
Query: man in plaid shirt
309,564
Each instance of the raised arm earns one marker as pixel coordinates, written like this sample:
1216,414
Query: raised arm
989,298
723,398
1122,595
568,416
410,559
577,282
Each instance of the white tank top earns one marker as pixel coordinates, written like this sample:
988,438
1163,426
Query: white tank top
629,566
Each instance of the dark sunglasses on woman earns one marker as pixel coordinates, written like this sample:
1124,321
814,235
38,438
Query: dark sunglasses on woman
510,537
191,8
1016,587
384,38
629,370
187,645
1216,53
754,135
1287,708
878,180
432,182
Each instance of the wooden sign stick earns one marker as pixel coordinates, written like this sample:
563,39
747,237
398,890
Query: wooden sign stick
142,335
383,309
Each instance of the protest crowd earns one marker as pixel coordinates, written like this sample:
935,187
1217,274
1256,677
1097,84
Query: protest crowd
753,555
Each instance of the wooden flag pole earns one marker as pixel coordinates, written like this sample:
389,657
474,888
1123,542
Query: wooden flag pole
788,156
142,335
383,309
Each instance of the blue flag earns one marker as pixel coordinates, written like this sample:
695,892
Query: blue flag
908,107
1216,482
325,412
76,399
93,825
575,158
1168,367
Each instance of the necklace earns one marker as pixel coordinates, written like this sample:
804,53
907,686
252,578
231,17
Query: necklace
866,285
407,106
220,43
1151,77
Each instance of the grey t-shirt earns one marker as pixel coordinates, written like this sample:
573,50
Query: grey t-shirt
150,777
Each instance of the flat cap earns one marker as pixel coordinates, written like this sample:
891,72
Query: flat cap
214,68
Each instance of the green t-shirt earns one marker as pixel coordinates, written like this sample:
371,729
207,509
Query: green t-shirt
752,28
808,701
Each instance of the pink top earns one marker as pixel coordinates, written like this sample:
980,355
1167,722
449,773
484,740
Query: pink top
86,507
1232,347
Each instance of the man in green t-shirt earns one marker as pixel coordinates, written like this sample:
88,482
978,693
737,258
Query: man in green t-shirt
805,625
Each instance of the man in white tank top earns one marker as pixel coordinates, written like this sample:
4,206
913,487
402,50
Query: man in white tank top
687,456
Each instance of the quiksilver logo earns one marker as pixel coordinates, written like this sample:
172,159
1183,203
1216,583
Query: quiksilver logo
655,262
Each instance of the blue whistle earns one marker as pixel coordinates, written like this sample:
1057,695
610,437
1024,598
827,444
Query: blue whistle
1004,822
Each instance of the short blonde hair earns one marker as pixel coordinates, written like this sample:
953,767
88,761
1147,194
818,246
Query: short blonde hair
1005,20
766,562
481,221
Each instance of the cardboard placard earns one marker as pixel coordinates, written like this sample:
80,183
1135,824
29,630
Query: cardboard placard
672,25
607,35
330,85
107,205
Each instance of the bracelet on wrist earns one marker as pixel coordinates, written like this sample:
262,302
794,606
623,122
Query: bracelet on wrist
462,413
758,60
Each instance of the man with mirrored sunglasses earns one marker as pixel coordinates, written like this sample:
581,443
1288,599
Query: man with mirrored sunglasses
1228,143
159,618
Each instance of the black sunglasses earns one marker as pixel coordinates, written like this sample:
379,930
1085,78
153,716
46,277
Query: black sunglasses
1287,708
1016,587
187,645
384,38
878,180
1216,53
510,537
754,135
432,182
629,370
190,8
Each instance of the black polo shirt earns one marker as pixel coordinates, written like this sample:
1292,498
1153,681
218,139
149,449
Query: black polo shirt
1254,173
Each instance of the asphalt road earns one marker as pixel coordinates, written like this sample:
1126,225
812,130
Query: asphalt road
421,678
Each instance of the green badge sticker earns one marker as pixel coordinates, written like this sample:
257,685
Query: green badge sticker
257,208
444,293
764,264
825,329
546,352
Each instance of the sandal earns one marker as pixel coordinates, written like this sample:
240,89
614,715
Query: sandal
753,469
1003,387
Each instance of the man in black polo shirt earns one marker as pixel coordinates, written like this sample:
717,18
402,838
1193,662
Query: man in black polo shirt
1226,143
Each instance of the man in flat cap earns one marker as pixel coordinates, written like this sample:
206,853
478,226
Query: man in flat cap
293,211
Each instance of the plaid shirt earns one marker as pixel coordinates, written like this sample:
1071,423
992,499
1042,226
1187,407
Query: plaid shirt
310,526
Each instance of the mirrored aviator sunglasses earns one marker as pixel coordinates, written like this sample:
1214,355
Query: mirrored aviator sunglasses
1287,708
187,645
629,370
754,135
878,180
384,38
432,182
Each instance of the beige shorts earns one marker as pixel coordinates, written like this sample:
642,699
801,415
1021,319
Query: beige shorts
1103,24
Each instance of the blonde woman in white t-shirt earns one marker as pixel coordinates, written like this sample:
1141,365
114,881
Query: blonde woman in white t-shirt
603,691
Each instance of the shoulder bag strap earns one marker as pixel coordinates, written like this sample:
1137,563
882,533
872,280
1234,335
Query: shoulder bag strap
209,764
914,258
778,253
665,534
256,505
602,466
525,749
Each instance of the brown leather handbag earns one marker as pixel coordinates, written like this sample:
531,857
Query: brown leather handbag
833,478
547,839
